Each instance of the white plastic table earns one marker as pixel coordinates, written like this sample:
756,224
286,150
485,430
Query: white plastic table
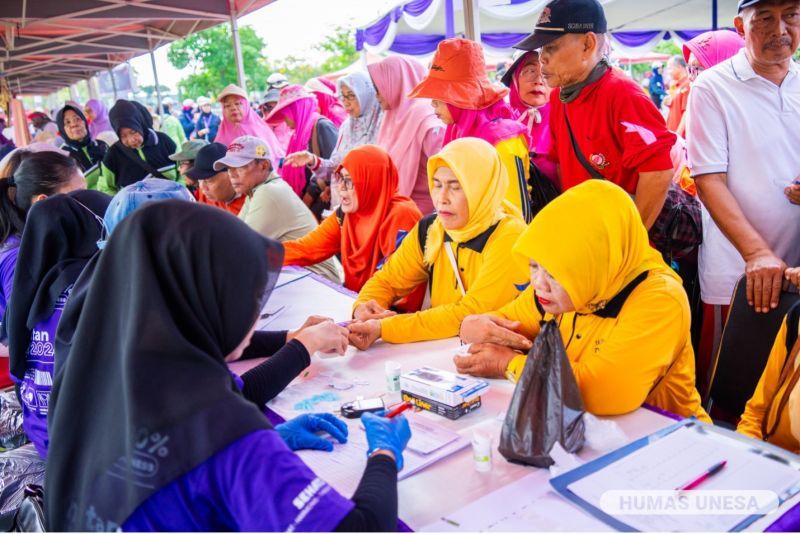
452,483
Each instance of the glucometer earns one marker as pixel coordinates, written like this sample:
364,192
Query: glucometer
354,409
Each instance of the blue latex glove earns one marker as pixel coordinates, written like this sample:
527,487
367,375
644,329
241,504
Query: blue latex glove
300,432
390,434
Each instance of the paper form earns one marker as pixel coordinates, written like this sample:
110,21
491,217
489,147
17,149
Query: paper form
523,506
286,277
342,468
678,458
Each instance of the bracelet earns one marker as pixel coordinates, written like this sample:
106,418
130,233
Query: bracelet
317,163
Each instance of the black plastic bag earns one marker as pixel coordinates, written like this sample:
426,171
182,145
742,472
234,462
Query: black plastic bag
543,190
18,468
546,407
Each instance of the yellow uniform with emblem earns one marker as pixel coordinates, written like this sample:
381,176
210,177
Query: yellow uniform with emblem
629,341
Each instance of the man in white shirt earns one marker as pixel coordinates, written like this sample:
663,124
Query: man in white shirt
271,207
743,137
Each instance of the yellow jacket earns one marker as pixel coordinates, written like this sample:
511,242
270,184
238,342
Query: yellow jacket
489,277
628,337
767,389
516,159
481,249
641,354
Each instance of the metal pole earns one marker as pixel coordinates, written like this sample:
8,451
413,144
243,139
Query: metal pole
472,28
93,92
237,46
113,83
714,15
155,77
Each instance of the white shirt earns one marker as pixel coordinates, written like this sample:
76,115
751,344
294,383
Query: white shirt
746,126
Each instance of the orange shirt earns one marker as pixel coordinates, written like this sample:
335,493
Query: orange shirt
678,106
234,206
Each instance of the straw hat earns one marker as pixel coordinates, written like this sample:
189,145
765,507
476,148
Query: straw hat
458,77
289,94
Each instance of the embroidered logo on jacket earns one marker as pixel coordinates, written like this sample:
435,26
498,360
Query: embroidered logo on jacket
599,161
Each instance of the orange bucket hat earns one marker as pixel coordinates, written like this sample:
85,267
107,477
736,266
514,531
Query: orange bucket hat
458,77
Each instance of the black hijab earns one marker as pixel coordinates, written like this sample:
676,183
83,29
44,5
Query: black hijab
60,236
96,149
145,395
133,115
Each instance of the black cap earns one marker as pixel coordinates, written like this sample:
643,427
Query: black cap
561,17
203,167
747,3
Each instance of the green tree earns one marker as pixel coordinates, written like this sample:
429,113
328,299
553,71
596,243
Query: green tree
210,55
151,89
340,49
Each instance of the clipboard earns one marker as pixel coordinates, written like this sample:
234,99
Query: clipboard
562,483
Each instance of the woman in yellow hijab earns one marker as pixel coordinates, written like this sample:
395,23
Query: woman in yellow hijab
623,314
464,255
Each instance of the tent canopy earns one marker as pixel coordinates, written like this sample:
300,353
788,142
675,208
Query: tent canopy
50,44
415,27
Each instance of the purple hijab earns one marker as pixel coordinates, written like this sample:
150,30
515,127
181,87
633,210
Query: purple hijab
100,123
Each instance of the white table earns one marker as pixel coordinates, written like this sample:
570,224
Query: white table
431,494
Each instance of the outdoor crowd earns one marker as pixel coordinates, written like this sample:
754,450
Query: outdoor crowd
452,205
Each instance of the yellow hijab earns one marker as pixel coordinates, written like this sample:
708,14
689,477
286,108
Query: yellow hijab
592,241
484,179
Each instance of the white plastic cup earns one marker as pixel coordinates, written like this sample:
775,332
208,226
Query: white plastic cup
393,370
482,451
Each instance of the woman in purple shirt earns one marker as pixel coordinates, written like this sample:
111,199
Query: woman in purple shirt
60,237
150,431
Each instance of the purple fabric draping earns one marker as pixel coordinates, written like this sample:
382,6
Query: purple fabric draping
634,39
688,35
415,44
449,19
415,8
502,40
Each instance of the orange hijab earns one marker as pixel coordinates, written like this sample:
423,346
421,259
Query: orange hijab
370,234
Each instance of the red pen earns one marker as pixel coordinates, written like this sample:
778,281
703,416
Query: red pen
400,408
711,471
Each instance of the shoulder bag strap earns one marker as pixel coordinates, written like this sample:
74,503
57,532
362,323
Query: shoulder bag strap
767,431
578,154
451,256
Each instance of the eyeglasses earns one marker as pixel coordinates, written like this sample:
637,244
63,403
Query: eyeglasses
694,71
530,72
349,97
340,181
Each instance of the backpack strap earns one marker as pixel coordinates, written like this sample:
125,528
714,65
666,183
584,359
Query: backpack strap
422,231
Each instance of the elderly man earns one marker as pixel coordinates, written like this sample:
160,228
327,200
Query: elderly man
603,125
271,207
743,138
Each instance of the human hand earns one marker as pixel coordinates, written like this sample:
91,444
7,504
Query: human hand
793,276
364,333
371,310
325,336
298,159
311,321
490,329
793,192
486,360
764,273
300,433
387,434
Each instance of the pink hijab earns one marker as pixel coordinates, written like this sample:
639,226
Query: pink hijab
253,125
535,120
713,47
303,113
329,105
407,121
492,124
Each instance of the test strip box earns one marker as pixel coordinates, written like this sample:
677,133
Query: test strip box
451,412
441,386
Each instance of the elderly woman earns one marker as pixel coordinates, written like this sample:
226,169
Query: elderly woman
239,119
361,127
409,131
593,270
530,101
80,145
